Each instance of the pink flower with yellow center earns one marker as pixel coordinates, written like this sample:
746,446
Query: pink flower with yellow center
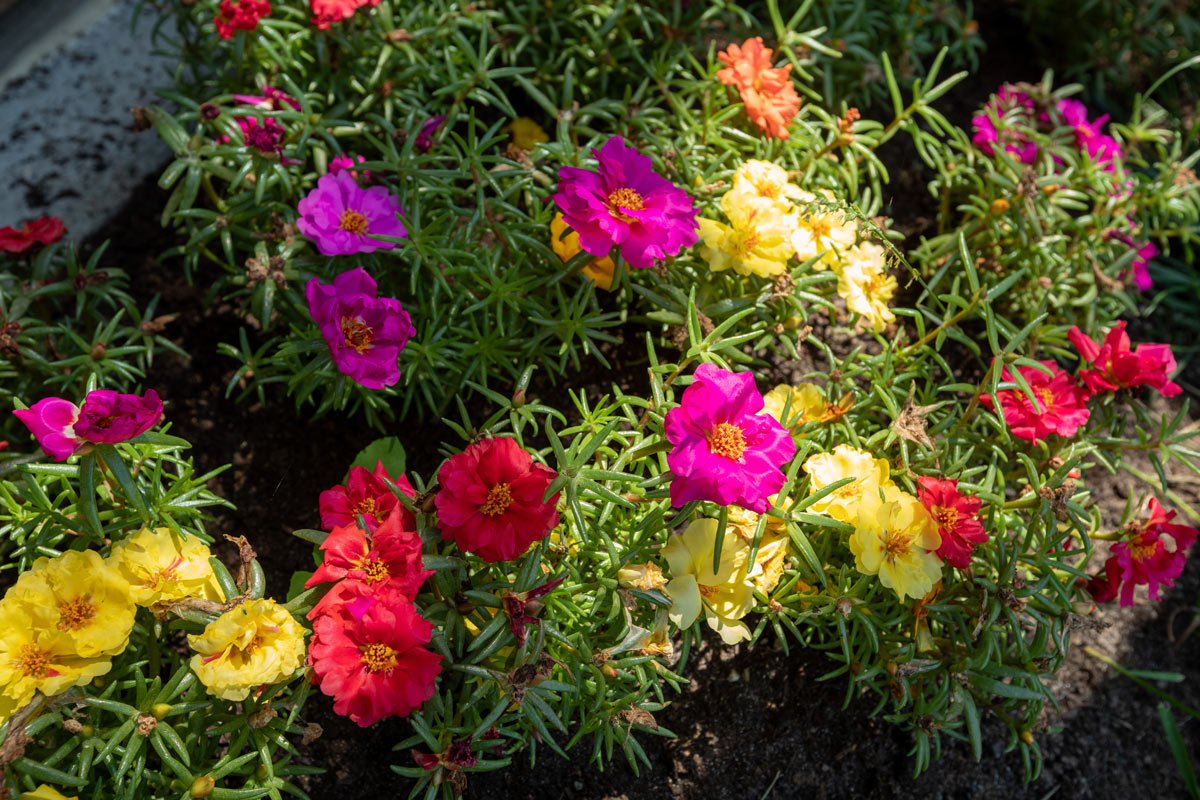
390,559
954,514
342,218
725,451
1145,557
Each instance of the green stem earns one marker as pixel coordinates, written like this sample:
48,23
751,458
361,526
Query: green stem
1152,481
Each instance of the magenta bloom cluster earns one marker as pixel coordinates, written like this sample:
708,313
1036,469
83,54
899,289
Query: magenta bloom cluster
626,204
106,417
1009,105
365,333
724,449
343,218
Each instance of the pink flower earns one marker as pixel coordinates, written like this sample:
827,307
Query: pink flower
1007,104
365,333
365,493
271,99
52,422
345,162
341,217
110,418
327,12
1144,559
1141,261
1060,406
424,142
264,135
955,514
368,655
627,204
1101,148
1119,366
725,450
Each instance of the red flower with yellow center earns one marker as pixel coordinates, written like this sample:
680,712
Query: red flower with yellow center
1060,405
366,493
388,559
1145,557
955,515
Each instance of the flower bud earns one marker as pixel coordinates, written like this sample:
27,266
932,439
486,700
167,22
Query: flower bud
203,786
999,206
160,710
518,398
98,351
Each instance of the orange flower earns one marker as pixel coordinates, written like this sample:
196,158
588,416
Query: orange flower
767,92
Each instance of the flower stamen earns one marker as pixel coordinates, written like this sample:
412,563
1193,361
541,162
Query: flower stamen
627,198
728,440
498,500
75,614
378,657
357,333
353,222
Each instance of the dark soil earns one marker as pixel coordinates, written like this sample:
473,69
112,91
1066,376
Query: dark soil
754,723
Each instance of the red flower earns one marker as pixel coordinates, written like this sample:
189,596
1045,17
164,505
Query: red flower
239,15
365,493
1119,366
955,516
1059,409
1144,559
43,230
327,12
491,501
389,560
368,655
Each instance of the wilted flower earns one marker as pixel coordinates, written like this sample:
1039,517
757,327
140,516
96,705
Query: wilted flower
43,230
491,499
644,577
255,643
892,539
424,140
109,417
625,203
1060,405
767,92
342,218
162,567
1144,558
955,516
1119,366
724,449
365,333
723,595
367,493
565,243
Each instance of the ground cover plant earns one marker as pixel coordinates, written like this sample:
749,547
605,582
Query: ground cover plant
425,212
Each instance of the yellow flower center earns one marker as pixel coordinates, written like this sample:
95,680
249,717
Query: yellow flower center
374,570
32,661
498,501
158,577
1140,551
377,657
75,614
946,517
1045,395
726,439
820,228
353,222
626,198
357,333
366,507
895,545
708,592
748,243
849,492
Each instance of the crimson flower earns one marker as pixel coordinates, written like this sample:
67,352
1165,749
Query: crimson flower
368,654
1144,559
365,493
239,15
491,500
388,560
954,513
457,755
43,230
1060,406
1119,366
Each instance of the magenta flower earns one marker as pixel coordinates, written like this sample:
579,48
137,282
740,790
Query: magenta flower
1144,558
987,133
341,217
271,99
725,450
345,162
424,142
365,333
1120,365
1089,137
626,203
52,422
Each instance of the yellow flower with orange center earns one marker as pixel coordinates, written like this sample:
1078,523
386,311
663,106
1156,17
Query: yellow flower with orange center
866,286
894,540
757,240
795,405
767,181
255,643
723,595
822,232
163,567
599,270
870,477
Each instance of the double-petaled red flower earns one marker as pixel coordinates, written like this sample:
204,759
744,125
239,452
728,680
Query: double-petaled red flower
1060,405
954,514
1145,558
1118,365
43,230
387,560
492,502
368,494
239,15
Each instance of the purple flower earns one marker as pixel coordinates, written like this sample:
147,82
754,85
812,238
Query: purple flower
424,142
626,203
342,217
725,450
365,333
110,417
987,133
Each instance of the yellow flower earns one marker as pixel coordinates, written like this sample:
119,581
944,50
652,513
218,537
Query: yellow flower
36,657
645,577
768,181
162,567
864,282
757,241
892,540
81,599
824,233
807,404
724,595
45,792
526,133
870,477
599,270
658,641
255,643
772,554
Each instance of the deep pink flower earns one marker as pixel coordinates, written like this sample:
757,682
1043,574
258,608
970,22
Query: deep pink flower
109,417
1144,558
264,135
239,15
1141,261
1009,105
342,217
1119,366
345,162
368,654
725,450
424,142
271,99
43,230
365,493
1060,408
390,559
955,514
365,333
52,422
1089,135
627,204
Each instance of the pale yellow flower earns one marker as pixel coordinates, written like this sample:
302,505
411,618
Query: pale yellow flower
255,643
644,577
893,540
807,404
757,240
864,282
870,477
768,181
599,270
163,567
723,595
526,133
45,792
823,232
773,550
